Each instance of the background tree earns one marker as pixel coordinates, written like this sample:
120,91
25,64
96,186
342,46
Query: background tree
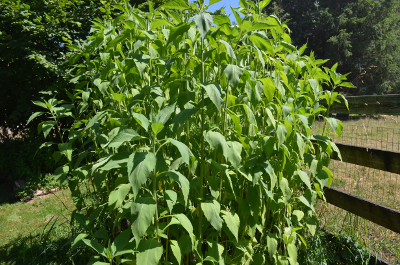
34,35
361,35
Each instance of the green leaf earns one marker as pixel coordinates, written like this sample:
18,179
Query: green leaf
155,24
140,19
258,259
262,42
203,23
315,88
96,246
150,252
232,221
164,114
284,185
233,74
176,5
215,252
292,250
299,215
170,197
34,115
272,244
157,127
269,88
271,117
312,225
182,181
304,177
214,93
176,250
253,93
185,222
235,149
66,150
181,118
264,3
229,49
101,233
115,41
281,132
124,135
117,197
40,104
306,202
235,120
337,125
140,165
116,161
328,173
78,239
141,119
185,243
94,120
121,241
213,2
143,211
237,16
300,145
47,126
60,175
183,149
217,142
211,211
141,61
179,30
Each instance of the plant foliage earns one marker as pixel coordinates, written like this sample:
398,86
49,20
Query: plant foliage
194,137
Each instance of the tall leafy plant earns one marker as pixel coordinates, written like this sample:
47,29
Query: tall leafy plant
193,137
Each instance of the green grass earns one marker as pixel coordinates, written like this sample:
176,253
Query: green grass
375,185
34,232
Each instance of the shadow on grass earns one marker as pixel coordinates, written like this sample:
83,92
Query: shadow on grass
32,250
51,246
7,195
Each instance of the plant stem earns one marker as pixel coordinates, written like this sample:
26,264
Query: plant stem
155,189
202,141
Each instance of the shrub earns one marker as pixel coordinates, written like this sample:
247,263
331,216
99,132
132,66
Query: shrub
20,158
195,135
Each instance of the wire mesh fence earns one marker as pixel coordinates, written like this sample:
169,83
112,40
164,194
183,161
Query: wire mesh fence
372,184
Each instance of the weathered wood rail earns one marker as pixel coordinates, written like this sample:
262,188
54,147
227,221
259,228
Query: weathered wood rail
382,104
368,157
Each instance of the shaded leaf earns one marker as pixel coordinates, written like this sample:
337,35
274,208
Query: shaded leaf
150,252
211,211
139,167
143,211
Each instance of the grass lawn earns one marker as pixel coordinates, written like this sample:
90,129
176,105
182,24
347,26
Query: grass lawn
34,232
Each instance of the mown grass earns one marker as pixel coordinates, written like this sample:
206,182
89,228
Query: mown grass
35,232
375,185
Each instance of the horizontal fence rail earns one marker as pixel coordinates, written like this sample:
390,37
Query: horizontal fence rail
379,214
369,157
371,105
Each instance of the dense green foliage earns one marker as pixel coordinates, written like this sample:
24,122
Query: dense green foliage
192,143
326,249
19,160
33,39
361,35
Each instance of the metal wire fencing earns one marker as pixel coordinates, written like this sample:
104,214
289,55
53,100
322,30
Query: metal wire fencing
372,184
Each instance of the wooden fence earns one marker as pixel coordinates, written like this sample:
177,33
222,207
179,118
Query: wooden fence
368,157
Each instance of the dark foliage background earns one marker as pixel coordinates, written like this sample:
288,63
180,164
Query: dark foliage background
361,35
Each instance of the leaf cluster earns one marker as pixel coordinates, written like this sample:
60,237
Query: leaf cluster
193,137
